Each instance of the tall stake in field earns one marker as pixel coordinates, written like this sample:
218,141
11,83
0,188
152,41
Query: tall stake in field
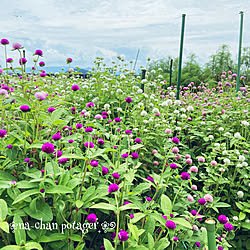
136,58
180,57
239,53
143,76
170,75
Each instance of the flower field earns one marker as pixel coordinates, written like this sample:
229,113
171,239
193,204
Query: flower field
98,163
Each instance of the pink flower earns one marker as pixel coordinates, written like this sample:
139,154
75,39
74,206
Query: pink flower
193,169
194,187
190,198
187,156
213,163
168,131
189,161
177,157
201,159
209,197
175,150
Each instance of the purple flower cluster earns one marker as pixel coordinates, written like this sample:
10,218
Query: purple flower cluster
48,148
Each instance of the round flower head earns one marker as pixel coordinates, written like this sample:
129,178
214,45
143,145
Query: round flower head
91,218
41,64
149,199
202,201
51,109
9,60
62,160
22,61
12,183
190,198
90,104
25,108
3,133
70,141
113,187
170,224
222,219
208,197
89,144
79,126
43,74
220,248
42,190
88,129
94,163
127,132
175,150
48,148
1,71
137,140
175,239
229,227
125,155
58,154
9,146
175,140
117,119
123,236
134,155
173,166
75,87
128,99
131,216
56,137
4,41
104,170
16,46
185,176
40,95
69,60
100,141
193,212
38,52
116,176
193,169
27,159
149,178
198,244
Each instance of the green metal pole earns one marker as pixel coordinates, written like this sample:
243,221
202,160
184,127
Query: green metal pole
239,54
180,57
170,75
210,226
143,76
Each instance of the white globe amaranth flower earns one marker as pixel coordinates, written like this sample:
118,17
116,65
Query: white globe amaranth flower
153,71
140,104
119,91
143,113
190,108
224,152
145,121
239,165
106,106
222,169
145,130
183,116
172,93
119,109
236,218
87,113
227,134
176,112
244,164
169,102
146,96
211,137
203,123
242,158
183,110
221,129
237,135
226,161
217,144
139,91
178,128
151,105
245,123
155,110
240,194
177,102
151,120
247,221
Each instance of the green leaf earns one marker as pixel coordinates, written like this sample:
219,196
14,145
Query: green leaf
6,176
246,225
222,204
57,114
33,245
59,189
162,244
135,231
22,101
136,146
182,222
105,206
166,204
108,245
41,211
141,187
159,156
20,234
4,225
242,216
3,209
75,237
239,206
138,216
79,203
151,241
11,247
128,206
25,195
52,237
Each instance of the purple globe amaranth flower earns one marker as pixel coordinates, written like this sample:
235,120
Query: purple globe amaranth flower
148,198
58,154
70,141
38,52
112,236
40,95
9,60
56,137
41,64
131,216
94,163
79,126
90,104
16,46
25,108
116,176
100,141
125,155
185,176
175,140
220,248
149,178
198,244
126,202
42,190
3,133
89,144
173,166
170,224
43,74
128,99
193,212
91,218
175,238
9,146
104,170
123,236
127,132
165,217
222,219
137,140
12,183
113,187
134,155
51,109
69,60
4,41
27,159
22,61
62,160
202,201
75,87
117,119
88,129
48,148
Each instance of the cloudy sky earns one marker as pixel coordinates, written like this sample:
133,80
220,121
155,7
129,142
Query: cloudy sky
84,29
